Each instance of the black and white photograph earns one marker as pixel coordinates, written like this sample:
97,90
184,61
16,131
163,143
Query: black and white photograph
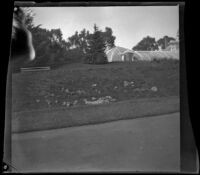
95,88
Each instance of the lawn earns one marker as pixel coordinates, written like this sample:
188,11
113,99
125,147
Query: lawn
62,97
84,115
74,83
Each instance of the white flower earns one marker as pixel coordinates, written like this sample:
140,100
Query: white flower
80,92
75,102
154,88
68,104
64,103
126,83
93,85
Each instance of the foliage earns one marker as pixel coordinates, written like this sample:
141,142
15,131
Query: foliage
75,55
29,16
83,40
51,48
163,42
148,43
177,34
109,38
96,54
101,58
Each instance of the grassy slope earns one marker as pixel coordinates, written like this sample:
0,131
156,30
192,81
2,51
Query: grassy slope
29,115
51,85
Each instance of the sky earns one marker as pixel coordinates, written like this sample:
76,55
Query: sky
129,24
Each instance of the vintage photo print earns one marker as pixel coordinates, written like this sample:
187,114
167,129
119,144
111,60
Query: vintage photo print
95,87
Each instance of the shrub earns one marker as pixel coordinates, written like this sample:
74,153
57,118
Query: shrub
97,58
100,58
157,60
87,59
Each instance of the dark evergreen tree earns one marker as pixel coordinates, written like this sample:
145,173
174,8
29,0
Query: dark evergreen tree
96,54
80,43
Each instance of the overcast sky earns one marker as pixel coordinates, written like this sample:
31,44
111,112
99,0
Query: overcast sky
129,24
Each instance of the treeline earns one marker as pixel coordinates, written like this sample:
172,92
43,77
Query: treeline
53,50
149,43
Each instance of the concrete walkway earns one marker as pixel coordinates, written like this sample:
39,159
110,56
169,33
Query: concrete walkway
143,144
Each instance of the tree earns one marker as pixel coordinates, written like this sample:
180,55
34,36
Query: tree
29,17
147,43
80,42
177,35
42,44
109,38
51,48
96,54
163,42
74,40
56,35
49,45
81,39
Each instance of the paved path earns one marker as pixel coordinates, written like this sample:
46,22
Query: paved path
145,144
